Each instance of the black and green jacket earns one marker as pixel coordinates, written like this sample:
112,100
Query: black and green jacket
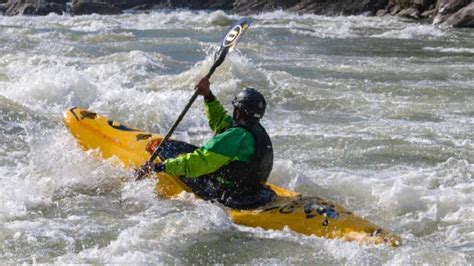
240,156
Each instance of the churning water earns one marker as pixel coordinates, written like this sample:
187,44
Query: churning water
376,114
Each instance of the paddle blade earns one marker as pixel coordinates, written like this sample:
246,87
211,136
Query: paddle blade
235,33
231,39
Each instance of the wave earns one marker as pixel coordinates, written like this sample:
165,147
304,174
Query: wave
413,32
359,113
450,50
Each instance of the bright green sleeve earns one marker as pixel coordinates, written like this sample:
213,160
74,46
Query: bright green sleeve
233,144
217,116
197,163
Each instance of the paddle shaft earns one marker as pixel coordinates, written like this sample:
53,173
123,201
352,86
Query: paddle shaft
181,116
228,44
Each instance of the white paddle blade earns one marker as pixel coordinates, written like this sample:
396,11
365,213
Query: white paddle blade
233,36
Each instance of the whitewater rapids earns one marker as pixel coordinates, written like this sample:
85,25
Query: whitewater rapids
376,114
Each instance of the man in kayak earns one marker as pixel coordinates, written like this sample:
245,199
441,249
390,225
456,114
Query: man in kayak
234,165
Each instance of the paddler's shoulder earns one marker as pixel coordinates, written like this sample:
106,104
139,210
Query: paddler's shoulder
236,131
231,139
241,133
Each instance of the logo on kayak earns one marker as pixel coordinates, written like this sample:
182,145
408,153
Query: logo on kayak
312,206
232,36
311,209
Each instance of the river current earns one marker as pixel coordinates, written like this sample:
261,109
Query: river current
376,114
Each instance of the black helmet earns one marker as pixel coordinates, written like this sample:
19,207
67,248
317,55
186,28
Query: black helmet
251,103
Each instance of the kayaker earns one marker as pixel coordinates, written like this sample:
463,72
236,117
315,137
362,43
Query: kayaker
234,165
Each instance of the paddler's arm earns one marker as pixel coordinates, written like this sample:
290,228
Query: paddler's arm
234,144
216,115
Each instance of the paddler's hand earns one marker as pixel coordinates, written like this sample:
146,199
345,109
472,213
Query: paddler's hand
204,87
147,168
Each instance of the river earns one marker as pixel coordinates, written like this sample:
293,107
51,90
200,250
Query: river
376,114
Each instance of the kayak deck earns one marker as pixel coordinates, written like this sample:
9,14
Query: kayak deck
302,214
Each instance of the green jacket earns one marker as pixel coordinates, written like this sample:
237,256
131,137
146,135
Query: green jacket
233,144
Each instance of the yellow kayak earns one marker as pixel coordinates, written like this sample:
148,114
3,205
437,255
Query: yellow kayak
302,214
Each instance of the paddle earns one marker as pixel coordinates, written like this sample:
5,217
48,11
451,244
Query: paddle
228,44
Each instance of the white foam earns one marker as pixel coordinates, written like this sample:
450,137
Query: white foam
426,252
449,49
40,83
337,30
337,121
156,233
405,198
412,32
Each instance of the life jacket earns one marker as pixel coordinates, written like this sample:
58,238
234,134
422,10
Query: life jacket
248,177
244,182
